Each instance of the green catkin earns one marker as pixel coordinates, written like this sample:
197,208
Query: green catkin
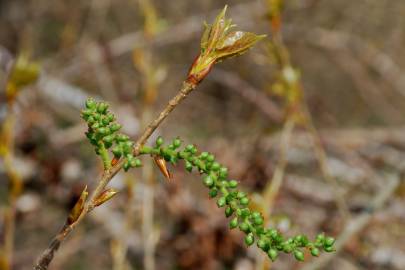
236,205
103,134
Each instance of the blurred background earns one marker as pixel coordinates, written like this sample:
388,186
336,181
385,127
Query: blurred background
311,122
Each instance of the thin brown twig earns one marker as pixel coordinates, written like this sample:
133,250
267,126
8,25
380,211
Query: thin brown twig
47,256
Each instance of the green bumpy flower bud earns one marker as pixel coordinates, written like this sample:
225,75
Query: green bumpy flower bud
204,155
320,238
122,138
108,141
241,194
221,202
258,221
90,120
208,181
228,211
244,227
95,126
215,166
126,166
273,233
299,255
263,244
244,201
90,104
213,192
135,162
105,121
115,127
117,151
273,254
223,172
233,223
329,241
314,252
233,184
287,248
256,214
110,117
102,107
102,131
159,141
189,166
249,239
176,143
245,212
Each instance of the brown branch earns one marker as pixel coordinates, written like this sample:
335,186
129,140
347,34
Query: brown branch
47,256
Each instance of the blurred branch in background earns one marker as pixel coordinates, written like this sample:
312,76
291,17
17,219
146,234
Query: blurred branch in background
356,224
21,73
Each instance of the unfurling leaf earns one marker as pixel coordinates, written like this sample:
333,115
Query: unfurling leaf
161,163
218,42
105,196
236,43
78,208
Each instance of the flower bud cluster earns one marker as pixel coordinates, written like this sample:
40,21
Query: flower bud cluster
236,203
103,134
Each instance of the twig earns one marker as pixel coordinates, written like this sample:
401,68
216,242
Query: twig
47,256
214,35
357,224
